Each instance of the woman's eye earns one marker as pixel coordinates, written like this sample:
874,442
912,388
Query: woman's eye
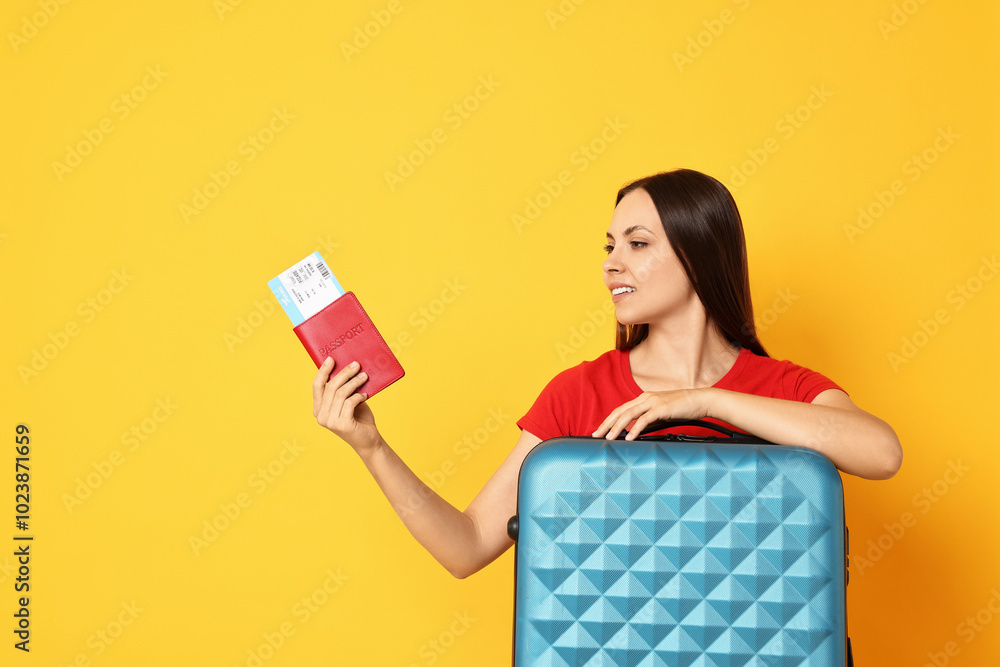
634,244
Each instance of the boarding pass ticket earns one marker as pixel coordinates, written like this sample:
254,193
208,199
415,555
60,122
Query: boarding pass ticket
306,288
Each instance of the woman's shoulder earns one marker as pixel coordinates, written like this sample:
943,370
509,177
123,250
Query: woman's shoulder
771,364
599,367
601,372
573,399
780,378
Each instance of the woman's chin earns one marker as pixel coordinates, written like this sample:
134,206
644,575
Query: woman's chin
630,316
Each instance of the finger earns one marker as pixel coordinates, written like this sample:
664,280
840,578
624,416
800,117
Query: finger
337,413
330,397
346,420
640,425
609,422
336,383
608,426
603,428
354,401
649,411
345,374
613,417
624,419
342,409
616,427
351,387
319,382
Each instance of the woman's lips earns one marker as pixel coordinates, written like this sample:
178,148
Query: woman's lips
615,298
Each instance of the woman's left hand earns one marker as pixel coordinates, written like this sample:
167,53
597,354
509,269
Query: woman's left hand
651,406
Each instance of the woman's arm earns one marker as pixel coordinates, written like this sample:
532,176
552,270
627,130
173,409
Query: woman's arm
857,442
463,542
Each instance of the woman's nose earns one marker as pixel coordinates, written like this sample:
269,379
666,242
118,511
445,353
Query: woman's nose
611,264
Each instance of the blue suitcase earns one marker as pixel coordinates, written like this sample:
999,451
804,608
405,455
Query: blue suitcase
679,550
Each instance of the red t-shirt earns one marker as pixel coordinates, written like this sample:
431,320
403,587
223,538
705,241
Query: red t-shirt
577,400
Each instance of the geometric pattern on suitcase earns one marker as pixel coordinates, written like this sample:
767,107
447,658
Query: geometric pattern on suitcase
666,553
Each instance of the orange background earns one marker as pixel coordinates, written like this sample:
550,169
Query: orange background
860,141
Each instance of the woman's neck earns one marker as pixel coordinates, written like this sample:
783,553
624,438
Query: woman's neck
684,355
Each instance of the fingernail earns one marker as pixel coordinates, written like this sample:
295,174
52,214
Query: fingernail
362,374
328,360
354,364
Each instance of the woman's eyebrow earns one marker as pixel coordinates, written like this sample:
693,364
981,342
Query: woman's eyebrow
633,228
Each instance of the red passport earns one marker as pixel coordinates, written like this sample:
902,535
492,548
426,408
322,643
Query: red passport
344,331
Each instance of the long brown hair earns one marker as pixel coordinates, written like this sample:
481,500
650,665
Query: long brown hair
704,228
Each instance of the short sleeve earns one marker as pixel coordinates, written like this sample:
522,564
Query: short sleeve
801,384
548,417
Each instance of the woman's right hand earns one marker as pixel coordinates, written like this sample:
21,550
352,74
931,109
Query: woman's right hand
339,407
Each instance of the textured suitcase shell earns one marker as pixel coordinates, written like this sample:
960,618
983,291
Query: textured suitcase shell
657,552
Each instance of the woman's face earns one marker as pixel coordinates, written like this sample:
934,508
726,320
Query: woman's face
641,260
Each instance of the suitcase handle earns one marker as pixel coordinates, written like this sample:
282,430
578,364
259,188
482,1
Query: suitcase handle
671,423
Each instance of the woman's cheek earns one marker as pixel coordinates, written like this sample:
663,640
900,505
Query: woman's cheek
646,269
652,264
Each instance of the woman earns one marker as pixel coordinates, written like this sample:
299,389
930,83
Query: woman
686,348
